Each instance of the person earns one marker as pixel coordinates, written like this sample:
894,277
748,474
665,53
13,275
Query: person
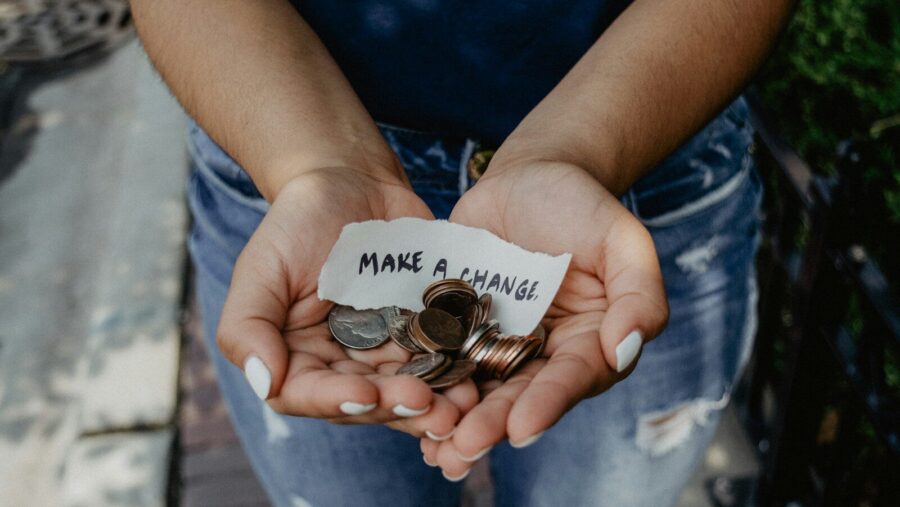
617,138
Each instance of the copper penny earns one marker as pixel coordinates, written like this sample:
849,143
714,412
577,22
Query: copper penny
459,371
485,303
441,328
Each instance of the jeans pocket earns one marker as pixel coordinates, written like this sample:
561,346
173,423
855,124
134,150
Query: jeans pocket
216,166
703,171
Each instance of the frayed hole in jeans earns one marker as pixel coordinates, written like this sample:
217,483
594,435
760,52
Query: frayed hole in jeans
664,430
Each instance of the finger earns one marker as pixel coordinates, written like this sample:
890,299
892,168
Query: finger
249,329
464,395
401,396
638,310
429,449
437,424
313,389
576,370
388,352
485,425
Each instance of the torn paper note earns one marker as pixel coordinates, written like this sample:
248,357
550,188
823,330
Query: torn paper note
377,263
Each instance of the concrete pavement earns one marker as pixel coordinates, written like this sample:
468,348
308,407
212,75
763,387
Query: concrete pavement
92,228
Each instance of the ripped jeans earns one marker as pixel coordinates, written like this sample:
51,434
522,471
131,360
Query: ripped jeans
637,444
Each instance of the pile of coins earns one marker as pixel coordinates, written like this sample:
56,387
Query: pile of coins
451,339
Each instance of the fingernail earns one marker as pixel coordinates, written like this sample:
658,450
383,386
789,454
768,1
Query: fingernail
475,457
353,408
425,459
258,376
528,441
439,438
404,411
628,349
456,479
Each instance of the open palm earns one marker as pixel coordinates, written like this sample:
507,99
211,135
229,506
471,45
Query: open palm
613,289
273,323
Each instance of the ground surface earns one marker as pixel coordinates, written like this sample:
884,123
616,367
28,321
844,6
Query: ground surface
92,227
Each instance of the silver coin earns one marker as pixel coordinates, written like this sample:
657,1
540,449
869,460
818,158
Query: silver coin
397,329
357,329
476,336
460,370
389,313
424,366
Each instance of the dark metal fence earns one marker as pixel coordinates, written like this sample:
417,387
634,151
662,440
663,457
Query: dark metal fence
820,399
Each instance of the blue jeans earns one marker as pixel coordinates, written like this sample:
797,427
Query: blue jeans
637,444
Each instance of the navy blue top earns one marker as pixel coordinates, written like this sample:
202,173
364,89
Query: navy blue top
467,68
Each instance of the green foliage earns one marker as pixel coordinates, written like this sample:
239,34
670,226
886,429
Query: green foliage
836,75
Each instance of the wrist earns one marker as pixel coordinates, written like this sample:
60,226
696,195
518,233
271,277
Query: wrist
282,173
602,163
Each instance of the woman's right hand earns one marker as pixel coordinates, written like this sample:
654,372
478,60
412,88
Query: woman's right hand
274,326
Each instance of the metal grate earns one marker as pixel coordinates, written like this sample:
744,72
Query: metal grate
34,31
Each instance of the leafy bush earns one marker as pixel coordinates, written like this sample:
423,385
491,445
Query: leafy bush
836,75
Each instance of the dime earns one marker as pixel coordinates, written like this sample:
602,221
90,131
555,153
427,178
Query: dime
389,313
459,371
357,329
437,372
397,329
476,337
482,352
423,365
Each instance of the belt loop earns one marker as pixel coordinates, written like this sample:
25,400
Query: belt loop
464,158
632,203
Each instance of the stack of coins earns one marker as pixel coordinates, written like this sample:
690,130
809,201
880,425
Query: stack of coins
452,338
498,355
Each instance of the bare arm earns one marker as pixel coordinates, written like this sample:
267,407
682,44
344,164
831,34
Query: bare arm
657,75
661,71
259,80
262,84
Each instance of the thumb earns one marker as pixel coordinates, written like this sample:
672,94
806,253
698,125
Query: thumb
249,332
638,309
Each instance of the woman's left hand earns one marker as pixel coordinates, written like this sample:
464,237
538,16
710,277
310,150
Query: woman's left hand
611,301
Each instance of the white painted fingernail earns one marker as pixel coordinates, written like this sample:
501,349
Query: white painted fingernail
528,441
456,479
425,459
475,457
439,438
404,411
258,376
628,349
353,408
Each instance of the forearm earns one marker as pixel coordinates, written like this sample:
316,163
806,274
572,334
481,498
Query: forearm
656,76
258,79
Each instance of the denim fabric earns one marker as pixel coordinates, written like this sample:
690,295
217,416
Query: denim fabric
637,444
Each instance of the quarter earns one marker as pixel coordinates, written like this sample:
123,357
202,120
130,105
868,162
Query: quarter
357,329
